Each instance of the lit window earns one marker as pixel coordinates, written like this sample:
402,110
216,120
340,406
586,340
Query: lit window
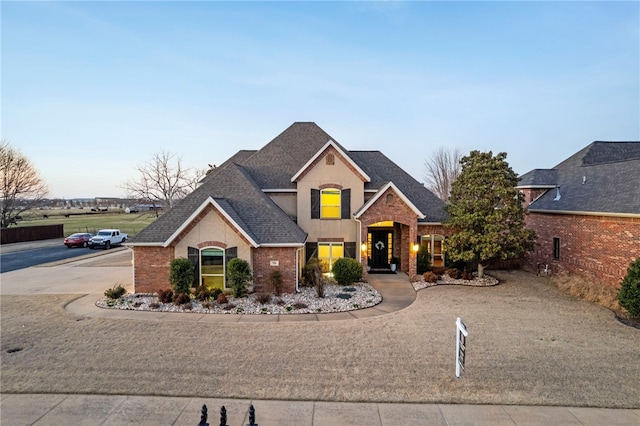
212,268
328,253
330,203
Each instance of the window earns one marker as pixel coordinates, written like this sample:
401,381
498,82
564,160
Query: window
328,253
330,203
556,248
212,267
435,248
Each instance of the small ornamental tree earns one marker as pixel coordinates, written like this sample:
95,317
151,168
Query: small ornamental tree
424,260
181,275
485,212
239,276
347,271
629,294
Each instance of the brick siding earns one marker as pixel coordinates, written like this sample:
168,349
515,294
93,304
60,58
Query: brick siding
262,269
152,268
598,248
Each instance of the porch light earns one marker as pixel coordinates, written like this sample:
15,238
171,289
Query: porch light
416,247
363,247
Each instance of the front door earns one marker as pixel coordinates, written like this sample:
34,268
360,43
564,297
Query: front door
380,248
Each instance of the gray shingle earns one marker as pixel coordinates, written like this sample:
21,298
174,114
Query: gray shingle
604,177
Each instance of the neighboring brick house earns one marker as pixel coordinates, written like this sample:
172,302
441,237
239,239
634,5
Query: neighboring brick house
586,212
302,195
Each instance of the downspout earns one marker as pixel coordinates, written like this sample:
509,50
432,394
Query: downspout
359,239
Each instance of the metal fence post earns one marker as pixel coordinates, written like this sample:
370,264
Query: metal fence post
223,416
203,417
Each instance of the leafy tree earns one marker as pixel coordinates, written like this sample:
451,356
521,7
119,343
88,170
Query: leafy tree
21,187
239,276
629,294
485,211
442,169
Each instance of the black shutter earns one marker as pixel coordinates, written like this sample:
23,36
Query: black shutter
193,254
350,249
315,204
230,253
310,250
345,204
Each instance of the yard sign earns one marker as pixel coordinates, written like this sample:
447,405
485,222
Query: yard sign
461,345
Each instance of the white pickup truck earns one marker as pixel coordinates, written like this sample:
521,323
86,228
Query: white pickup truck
107,238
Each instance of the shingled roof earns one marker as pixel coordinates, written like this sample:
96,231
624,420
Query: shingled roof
603,177
238,186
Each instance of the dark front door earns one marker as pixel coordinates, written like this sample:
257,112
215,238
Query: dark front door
380,249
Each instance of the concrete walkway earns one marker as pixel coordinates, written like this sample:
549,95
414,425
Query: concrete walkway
57,409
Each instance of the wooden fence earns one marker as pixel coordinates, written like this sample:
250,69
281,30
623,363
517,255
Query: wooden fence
30,233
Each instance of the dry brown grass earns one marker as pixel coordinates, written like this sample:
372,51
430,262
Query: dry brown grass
590,291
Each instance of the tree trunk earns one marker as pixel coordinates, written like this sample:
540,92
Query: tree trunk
480,270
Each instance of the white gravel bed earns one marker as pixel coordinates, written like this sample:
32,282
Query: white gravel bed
485,281
337,299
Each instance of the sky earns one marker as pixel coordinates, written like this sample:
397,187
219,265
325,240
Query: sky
90,90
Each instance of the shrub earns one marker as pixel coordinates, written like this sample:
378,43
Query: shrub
430,277
165,296
629,294
275,279
467,275
347,271
181,275
438,270
202,293
454,273
312,275
263,298
424,260
239,276
181,298
222,299
215,293
115,292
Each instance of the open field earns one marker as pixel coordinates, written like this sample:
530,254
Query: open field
528,344
86,221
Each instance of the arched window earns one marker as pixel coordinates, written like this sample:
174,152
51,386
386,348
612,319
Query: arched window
212,267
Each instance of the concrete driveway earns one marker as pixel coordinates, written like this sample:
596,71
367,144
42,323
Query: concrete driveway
91,275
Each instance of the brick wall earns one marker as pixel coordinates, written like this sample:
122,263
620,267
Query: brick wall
595,247
405,227
151,269
286,257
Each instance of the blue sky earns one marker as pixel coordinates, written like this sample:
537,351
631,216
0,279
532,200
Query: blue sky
91,89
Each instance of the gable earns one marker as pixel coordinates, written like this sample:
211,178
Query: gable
331,155
385,191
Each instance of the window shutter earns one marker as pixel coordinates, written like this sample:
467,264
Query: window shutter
193,254
230,253
345,204
350,249
310,250
315,204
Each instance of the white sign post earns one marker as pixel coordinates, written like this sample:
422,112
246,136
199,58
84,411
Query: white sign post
461,345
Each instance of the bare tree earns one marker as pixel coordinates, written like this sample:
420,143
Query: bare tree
442,169
162,181
21,187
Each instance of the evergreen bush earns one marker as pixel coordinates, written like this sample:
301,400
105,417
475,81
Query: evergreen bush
424,259
181,275
239,276
347,271
629,294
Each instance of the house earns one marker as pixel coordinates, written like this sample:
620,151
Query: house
586,212
301,195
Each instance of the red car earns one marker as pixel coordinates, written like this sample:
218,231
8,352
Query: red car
77,240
